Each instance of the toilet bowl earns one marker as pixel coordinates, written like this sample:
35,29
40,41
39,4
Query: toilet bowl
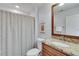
36,51
33,52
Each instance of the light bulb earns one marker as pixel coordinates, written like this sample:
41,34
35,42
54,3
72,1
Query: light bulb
61,4
17,6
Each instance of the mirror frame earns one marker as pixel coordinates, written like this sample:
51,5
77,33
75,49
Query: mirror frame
71,36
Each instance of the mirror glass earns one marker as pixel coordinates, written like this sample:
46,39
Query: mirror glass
66,19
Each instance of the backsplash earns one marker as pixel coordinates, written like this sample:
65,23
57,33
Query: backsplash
68,39
59,37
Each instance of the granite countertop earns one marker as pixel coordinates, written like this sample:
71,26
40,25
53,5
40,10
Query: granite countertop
72,49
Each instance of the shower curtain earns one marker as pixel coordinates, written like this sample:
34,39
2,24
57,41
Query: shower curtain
16,34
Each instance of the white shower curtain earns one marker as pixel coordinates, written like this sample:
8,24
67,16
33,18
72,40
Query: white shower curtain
16,34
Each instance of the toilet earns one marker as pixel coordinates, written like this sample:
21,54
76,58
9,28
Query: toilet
36,51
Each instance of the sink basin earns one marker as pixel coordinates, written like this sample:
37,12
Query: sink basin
60,44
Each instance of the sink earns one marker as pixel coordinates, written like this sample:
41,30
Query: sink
59,44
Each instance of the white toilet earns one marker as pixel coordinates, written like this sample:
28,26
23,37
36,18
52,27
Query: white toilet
36,51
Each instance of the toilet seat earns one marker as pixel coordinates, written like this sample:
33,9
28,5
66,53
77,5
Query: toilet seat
33,52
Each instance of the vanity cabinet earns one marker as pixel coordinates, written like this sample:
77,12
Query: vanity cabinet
51,51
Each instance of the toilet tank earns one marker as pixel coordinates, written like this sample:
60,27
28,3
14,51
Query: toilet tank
39,43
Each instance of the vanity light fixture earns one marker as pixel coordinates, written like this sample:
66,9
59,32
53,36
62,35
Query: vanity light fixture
17,6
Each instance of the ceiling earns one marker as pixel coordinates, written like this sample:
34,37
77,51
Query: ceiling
29,8
26,8
66,6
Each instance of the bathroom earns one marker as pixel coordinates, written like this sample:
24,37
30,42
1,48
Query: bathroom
39,29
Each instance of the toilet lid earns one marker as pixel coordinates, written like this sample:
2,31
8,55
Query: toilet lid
33,52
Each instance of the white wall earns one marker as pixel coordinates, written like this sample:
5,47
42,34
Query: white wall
45,15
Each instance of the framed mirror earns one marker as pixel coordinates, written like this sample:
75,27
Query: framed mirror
65,19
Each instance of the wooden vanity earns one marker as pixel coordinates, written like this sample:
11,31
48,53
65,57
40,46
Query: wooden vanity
51,51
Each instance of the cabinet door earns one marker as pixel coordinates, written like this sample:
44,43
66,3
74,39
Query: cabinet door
51,51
